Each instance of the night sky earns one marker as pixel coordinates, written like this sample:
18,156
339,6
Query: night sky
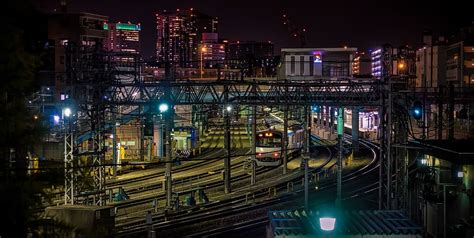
332,23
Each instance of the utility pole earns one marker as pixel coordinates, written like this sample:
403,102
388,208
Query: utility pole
227,112
307,133
168,159
440,112
114,144
253,176
340,133
285,139
68,163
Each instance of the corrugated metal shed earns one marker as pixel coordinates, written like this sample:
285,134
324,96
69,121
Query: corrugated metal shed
298,223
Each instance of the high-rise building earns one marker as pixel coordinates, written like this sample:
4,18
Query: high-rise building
123,37
179,34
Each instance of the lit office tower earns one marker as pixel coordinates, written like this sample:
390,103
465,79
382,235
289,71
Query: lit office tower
123,37
179,34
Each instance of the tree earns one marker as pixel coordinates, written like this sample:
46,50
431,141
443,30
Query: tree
19,61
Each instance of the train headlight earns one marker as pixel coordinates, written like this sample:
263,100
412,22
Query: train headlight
275,154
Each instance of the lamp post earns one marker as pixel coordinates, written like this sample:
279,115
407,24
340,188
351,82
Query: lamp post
203,50
327,223
66,113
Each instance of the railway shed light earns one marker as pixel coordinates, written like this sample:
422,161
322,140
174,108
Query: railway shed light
229,108
460,174
424,161
260,135
163,107
327,223
316,109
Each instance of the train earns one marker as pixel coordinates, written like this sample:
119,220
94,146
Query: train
269,141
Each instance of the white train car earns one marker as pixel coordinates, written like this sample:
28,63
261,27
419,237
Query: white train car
269,142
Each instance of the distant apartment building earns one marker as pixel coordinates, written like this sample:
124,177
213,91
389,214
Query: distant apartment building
460,58
241,50
361,65
255,59
446,60
212,53
80,29
311,63
390,61
431,63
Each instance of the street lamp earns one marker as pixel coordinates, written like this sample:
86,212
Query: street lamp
203,50
67,112
327,223
56,119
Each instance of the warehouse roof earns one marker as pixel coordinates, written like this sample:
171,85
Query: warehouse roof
302,223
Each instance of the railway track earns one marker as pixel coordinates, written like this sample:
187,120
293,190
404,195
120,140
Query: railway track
238,198
355,192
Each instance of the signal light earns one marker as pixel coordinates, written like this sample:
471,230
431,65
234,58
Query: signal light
417,110
163,107
316,109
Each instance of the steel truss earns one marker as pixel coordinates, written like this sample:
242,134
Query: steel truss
69,173
274,92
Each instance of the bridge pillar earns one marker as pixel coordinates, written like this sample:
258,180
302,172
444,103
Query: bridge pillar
320,119
158,139
326,118
254,144
355,129
169,121
331,119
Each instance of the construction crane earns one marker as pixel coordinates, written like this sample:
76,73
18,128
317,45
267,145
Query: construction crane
294,30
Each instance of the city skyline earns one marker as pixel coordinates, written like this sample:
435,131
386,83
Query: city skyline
363,24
